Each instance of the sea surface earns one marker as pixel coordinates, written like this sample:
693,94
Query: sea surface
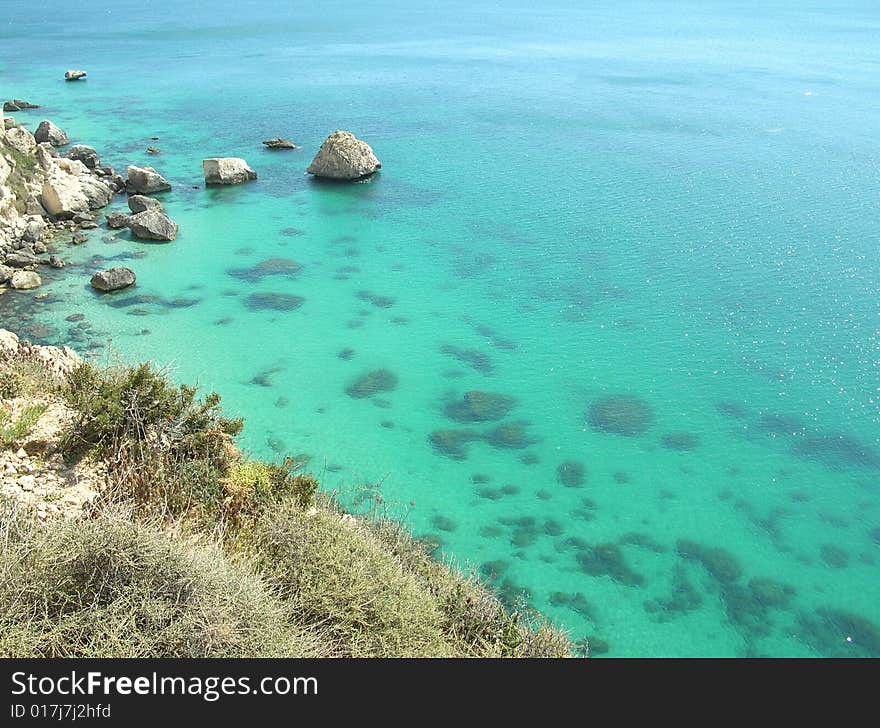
643,236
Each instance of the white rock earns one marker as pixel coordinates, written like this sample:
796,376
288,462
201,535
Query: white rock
145,181
227,171
24,280
344,156
21,139
8,342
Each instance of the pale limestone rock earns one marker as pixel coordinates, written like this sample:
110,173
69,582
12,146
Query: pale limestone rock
345,157
227,171
24,280
21,139
145,181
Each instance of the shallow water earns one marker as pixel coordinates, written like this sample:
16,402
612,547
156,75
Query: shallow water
672,204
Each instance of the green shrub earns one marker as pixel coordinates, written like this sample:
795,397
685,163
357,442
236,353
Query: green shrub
165,447
25,378
379,594
112,588
13,432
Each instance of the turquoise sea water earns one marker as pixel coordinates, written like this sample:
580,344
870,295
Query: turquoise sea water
675,205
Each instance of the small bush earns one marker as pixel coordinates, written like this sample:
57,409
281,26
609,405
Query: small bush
13,432
334,575
164,446
25,378
379,594
112,588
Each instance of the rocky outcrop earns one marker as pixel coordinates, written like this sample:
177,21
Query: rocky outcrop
343,156
21,139
71,188
22,104
227,171
140,203
117,220
85,154
113,279
145,181
279,143
152,225
74,74
48,132
24,280
10,107
6,273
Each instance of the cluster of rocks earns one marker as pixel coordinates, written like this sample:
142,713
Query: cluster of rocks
44,195
32,469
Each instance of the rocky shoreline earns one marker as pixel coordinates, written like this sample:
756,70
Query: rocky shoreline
52,193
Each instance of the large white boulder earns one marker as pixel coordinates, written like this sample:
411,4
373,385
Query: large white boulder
70,188
344,156
145,181
227,171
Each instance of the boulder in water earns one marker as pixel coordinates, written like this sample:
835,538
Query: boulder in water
145,181
24,280
343,156
152,225
227,171
279,143
74,74
140,203
113,279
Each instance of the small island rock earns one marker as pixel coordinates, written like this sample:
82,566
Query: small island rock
145,181
345,157
227,171
74,74
152,225
279,143
113,279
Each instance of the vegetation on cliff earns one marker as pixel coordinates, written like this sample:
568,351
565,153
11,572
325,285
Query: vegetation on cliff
191,549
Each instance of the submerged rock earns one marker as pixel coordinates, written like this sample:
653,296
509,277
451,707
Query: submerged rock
478,406
343,156
145,181
621,415
272,267
274,302
113,279
279,143
378,380
570,473
48,132
152,225
74,74
227,171
453,443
